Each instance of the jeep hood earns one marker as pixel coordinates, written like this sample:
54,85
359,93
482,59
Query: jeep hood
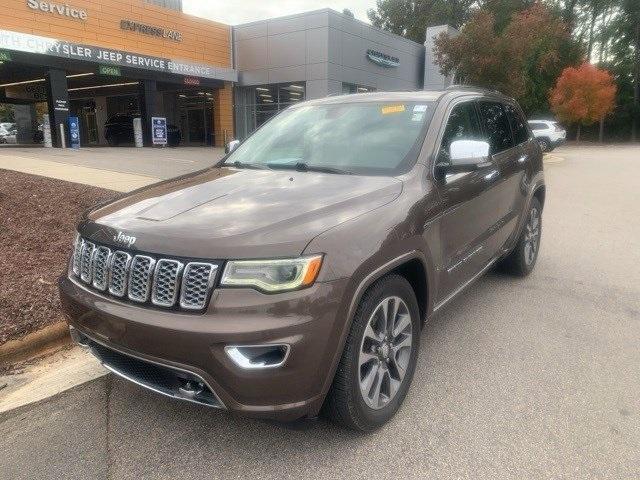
238,213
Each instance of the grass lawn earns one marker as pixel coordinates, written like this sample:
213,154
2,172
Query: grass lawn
37,224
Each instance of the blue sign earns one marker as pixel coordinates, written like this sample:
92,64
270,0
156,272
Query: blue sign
74,132
159,130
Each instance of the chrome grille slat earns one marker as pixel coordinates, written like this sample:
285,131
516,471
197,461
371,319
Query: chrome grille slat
140,275
101,257
77,255
197,281
118,268
165,282
86,260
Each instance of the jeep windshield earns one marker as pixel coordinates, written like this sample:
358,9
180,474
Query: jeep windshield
372,138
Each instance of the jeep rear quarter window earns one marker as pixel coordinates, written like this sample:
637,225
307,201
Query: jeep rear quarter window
518,124
497,126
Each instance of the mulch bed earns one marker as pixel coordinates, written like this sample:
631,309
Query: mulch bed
38,216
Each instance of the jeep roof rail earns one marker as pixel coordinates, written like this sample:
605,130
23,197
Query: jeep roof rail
472,87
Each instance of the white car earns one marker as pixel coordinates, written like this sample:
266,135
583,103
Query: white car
549,134
7,136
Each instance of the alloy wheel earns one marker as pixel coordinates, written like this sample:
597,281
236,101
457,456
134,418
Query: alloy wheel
532,236
385,352
544,145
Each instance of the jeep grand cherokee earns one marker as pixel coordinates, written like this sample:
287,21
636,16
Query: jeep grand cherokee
297,273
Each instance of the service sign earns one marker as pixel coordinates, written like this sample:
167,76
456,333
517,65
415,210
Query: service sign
159,130
24,42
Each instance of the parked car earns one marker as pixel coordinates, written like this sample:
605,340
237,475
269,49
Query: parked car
118,130
298,272
549,134
8,135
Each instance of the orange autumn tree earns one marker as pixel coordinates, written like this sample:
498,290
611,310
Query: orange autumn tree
583,95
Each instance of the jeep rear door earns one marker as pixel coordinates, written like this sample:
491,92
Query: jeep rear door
506,155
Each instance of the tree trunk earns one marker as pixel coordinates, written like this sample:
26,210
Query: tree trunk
603,28
601,134
578,133
636,87
594,14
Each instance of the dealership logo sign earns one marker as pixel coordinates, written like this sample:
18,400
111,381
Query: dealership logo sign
61,9
150,30
382,59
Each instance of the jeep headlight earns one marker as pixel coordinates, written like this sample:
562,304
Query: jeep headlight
272,275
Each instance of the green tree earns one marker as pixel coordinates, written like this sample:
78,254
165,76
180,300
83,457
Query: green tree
410,18
504,10
626,53
523,60
6,113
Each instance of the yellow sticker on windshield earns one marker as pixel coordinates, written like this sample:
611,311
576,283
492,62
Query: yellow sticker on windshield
392,109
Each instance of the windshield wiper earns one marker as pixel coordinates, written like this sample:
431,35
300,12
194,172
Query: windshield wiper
304,167
238,164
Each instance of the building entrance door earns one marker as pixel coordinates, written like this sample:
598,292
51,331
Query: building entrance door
196,125
196,120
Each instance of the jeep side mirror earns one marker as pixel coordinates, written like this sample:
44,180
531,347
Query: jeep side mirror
231,146
465,156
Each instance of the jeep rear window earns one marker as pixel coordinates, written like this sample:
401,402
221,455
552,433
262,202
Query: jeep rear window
372,138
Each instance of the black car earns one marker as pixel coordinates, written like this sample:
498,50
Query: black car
119,131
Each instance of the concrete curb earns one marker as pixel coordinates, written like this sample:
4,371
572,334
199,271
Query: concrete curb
36,343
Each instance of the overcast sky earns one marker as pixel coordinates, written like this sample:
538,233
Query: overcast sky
234,12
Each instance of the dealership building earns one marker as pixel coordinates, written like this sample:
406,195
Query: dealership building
106,62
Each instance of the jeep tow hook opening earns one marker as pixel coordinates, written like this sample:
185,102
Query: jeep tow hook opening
258,357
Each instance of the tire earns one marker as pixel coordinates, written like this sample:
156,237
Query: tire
521,261
545,144
346,403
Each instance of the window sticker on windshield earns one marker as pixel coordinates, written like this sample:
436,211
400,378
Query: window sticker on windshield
419,108
417,117
392,109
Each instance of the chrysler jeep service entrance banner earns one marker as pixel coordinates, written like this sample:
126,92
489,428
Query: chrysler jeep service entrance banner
24,42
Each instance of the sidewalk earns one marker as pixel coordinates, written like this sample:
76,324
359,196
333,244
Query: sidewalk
122,182
35,380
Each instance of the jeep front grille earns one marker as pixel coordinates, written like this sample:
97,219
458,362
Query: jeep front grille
163,282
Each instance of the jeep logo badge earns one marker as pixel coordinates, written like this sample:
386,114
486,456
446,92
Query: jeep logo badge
124,239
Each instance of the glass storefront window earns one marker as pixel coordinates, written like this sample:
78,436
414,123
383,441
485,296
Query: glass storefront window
256,105
348,88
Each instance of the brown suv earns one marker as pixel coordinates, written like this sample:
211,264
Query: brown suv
298,272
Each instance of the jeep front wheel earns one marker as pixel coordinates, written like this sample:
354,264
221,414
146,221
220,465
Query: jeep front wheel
379,357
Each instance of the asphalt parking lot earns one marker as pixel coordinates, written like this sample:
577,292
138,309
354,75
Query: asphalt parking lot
534,378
